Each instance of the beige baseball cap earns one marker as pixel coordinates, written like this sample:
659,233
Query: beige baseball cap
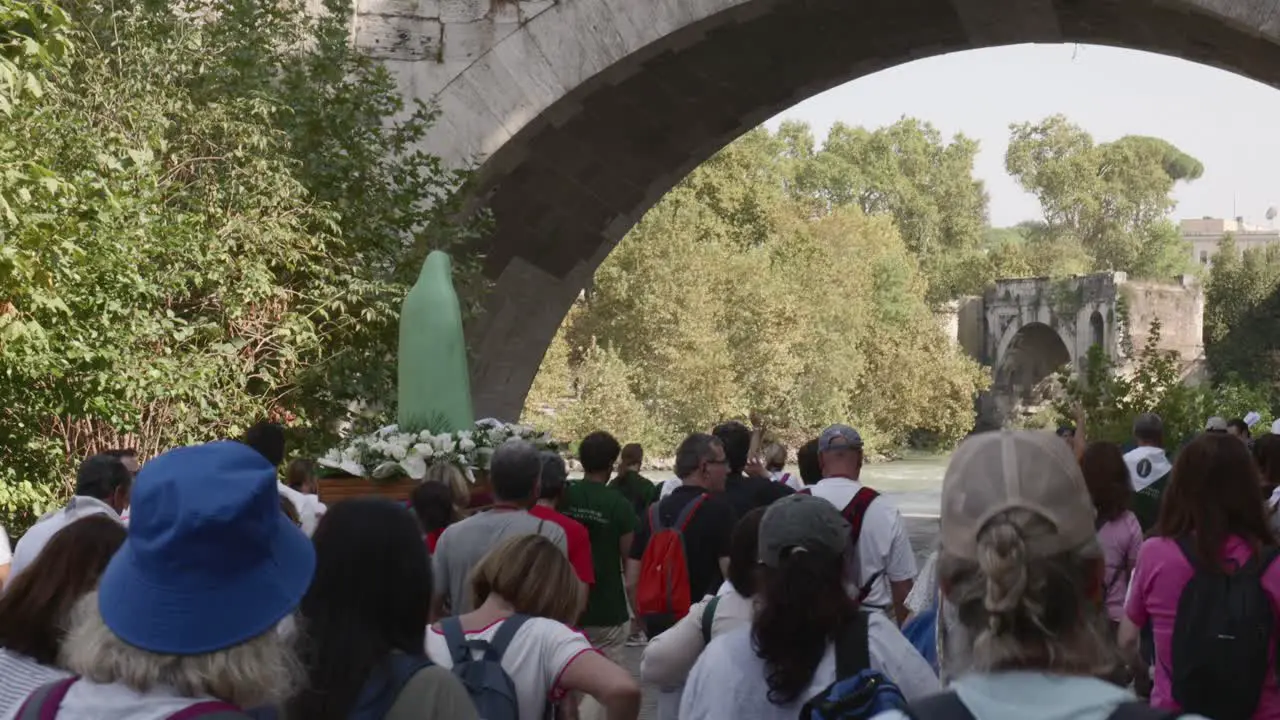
997,471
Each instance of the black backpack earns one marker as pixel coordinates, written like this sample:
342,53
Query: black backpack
1222,637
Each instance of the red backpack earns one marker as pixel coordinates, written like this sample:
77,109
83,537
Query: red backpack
854,513
662,592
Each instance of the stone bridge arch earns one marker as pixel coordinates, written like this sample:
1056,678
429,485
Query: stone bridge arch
584,112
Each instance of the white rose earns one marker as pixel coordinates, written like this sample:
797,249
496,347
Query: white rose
466,445
414,466
398,452
424,450
425,436
443,442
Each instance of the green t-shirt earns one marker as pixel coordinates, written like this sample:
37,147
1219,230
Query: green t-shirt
607,516
637,489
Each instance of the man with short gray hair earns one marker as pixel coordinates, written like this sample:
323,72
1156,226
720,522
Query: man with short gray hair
697,511
514,471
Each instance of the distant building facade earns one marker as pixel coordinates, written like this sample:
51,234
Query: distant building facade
1204,235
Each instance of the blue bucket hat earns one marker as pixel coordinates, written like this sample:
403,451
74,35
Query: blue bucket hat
210,561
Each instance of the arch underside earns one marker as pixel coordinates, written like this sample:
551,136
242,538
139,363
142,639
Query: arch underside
569,184
1025,369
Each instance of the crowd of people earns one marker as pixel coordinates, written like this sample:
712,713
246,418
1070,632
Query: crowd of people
1071,580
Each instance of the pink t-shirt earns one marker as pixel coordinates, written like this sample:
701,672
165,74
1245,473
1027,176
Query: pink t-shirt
1120,540
1161,574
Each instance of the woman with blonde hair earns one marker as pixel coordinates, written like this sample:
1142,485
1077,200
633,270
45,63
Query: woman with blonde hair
185,617
526,595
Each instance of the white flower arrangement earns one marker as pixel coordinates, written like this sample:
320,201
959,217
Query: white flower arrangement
389,453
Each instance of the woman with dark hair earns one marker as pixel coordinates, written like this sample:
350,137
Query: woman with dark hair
436,508
36,607
1119,534
636,488
1210,517
301,476
787,656
1266,454
670,656
364,618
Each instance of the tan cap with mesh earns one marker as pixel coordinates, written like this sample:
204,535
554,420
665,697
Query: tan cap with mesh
997,471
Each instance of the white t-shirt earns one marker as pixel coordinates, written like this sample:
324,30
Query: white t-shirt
308,507
786,478
19,677
728,681
669,486
883,546
80,506
87,700
6,555
535,659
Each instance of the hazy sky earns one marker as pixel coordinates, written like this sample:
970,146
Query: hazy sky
1228,122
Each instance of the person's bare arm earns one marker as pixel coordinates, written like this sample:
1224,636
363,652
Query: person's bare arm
4,574
901,589
633,576
724,567
611,685
757,436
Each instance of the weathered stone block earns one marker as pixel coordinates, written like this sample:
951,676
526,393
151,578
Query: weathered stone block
464,11
410,8
531,8
391,37
505,11
468,41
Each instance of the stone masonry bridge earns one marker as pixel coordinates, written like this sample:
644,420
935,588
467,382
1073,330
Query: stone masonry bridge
1029,328
582,113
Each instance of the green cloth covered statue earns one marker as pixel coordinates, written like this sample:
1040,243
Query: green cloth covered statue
434,386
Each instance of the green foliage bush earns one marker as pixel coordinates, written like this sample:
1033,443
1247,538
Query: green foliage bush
1111,400
209,214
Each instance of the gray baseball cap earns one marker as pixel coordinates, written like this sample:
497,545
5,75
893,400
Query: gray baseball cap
1216,424
839,437
801,522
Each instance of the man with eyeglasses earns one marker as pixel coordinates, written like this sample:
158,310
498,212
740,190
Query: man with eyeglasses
708,518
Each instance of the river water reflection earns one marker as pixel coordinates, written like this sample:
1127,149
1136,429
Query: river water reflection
914,481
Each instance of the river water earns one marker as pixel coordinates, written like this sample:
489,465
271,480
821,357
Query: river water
914,482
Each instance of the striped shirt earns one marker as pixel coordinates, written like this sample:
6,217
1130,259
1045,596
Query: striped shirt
19,676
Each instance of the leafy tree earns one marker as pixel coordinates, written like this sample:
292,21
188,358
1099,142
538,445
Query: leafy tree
213,211
1112,198
1112,399
907,171
733,294
1242,314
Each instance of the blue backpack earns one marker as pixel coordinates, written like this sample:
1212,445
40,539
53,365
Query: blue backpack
491,689
922,632
859,693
